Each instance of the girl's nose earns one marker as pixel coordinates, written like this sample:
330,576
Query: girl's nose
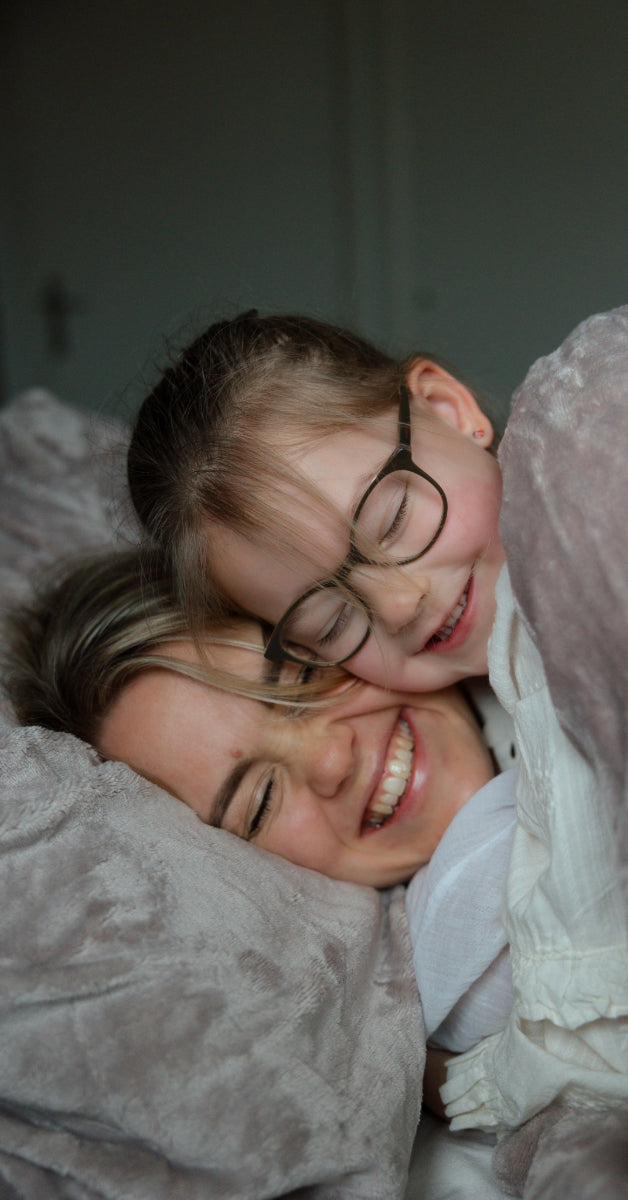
395,596
323,753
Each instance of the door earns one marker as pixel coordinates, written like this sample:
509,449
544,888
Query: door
167,164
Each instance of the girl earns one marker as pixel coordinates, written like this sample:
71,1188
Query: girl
353,504
281,461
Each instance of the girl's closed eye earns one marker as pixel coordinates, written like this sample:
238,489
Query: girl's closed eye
384,516
333,632
397,520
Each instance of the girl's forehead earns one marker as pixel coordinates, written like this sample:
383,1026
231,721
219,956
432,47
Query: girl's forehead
340,465
307,505
267,575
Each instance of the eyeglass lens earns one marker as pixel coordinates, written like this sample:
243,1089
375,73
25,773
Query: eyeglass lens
396,524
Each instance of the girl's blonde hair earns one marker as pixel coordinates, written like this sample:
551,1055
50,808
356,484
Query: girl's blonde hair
92,627
202,447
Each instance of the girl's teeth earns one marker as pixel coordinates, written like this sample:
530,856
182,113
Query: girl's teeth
447,629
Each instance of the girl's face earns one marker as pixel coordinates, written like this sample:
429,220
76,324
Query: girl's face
362,790
432,617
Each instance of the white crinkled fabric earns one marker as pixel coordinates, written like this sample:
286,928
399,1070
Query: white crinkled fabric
460,952
564,914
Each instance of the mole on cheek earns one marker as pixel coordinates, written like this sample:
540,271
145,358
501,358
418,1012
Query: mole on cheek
236,753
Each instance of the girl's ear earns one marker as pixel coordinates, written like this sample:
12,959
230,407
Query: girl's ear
433,387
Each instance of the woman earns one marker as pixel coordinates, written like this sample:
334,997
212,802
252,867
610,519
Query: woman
347,779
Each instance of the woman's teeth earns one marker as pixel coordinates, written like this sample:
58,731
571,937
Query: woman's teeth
447,629
394,780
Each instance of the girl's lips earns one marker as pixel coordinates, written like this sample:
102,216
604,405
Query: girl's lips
453,632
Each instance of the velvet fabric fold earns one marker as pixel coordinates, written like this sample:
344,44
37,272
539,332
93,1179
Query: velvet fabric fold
181,1014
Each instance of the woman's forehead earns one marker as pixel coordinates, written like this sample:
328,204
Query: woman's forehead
155,701
237,647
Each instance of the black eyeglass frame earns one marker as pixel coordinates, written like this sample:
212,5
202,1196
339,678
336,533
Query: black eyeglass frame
400,460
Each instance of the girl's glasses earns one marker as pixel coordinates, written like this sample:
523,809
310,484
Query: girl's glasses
398,519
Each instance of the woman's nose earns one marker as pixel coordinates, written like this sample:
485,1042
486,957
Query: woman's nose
324,753
394,595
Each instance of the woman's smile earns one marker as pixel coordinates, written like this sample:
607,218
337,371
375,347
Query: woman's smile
361,789
393,783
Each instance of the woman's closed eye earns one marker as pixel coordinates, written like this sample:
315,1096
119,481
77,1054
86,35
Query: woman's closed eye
260,808
265,796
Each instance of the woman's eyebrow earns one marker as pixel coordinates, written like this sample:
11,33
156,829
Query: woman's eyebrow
271,671
227,791
271,668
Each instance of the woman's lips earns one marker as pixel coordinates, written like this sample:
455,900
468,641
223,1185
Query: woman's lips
394,780
454,630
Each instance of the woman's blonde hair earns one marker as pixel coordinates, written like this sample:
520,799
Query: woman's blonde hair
94,625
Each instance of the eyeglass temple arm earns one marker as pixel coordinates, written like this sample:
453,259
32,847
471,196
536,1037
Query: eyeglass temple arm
405,438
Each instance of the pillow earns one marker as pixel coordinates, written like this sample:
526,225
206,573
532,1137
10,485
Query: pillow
563,525
182,1014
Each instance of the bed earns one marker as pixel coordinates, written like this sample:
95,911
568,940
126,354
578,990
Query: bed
181,1015
186,1016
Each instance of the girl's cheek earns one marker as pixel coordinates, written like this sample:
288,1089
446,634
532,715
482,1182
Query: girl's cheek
373,665
386,667
474,512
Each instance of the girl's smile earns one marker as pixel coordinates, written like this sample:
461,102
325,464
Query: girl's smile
431,617
361,790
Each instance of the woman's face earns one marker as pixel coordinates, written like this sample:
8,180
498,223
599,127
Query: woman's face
432,617
362,790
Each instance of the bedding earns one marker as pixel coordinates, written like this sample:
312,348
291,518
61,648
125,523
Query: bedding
565,463
181,1014
559,665
564,915
129,931
459,945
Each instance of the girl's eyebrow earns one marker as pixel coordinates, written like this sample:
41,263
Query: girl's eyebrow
363,482
226,792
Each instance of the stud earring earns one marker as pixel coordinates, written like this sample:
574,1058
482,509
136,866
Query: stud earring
479,433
